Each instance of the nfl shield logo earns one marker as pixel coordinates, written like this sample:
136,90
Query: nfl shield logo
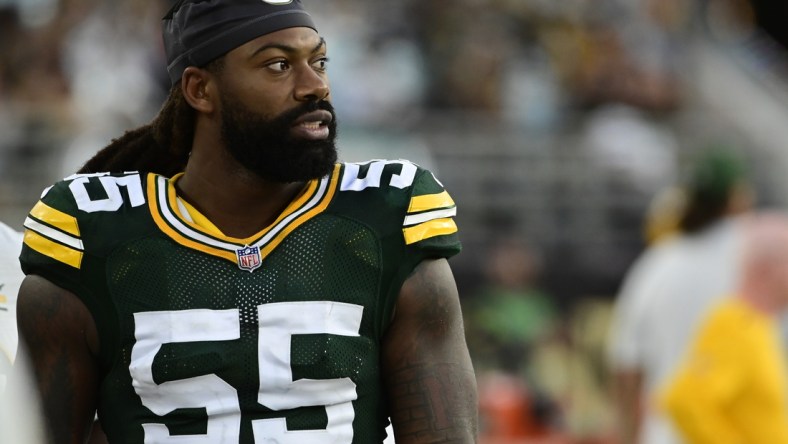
248,258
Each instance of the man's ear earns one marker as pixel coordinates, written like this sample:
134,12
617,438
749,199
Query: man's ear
198,89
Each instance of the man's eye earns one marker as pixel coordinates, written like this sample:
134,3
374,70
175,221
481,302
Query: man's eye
321,64
279,66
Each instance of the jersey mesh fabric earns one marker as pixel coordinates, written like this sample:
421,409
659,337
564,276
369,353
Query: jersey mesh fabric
329,258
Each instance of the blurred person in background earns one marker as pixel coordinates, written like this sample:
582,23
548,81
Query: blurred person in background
508,321
509,314
671,286
20,413
10,279
20,416
19,420
309,300
732,385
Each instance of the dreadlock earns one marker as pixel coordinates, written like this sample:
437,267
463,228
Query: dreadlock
160,147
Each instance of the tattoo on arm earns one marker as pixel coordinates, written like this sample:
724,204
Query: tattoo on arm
431,383
52,326
427,403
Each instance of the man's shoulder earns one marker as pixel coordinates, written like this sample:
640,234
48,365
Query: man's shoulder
401,199
83,195
395,181
81,212
83,202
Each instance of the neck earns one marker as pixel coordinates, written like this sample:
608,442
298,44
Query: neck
237,201
761,299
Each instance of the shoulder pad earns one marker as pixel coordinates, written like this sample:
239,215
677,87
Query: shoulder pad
55,226
423,208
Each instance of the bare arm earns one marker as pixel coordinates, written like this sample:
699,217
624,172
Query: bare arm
427,369
628,386
62,343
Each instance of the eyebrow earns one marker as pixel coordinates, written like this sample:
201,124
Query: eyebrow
286,48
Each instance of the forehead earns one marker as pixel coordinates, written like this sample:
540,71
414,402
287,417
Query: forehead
295,40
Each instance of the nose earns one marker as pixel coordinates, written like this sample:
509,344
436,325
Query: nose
311,85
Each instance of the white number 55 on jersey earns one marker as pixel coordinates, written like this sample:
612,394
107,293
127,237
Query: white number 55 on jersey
278,322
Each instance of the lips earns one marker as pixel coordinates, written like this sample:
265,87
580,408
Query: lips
321,117
313,125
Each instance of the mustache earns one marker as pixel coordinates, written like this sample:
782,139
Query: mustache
288,117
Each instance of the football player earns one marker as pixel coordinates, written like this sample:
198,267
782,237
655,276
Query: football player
243,286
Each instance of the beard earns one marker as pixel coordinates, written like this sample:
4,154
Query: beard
266,147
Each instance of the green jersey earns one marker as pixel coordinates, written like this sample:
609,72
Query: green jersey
212,339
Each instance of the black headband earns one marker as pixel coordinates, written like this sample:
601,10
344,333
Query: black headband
198,31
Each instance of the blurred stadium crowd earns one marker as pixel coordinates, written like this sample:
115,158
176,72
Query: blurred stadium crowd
554,124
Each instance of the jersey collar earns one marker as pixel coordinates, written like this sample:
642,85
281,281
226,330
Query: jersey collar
163,202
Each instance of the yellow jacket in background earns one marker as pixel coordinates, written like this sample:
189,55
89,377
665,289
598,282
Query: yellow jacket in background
732,387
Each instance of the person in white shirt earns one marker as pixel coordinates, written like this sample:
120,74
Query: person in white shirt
669,288
18,401
10,278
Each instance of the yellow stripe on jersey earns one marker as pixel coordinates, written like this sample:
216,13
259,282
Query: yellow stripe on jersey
429,229
430,202
3,299
175,235
56,218
325,200
59,252
200,220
